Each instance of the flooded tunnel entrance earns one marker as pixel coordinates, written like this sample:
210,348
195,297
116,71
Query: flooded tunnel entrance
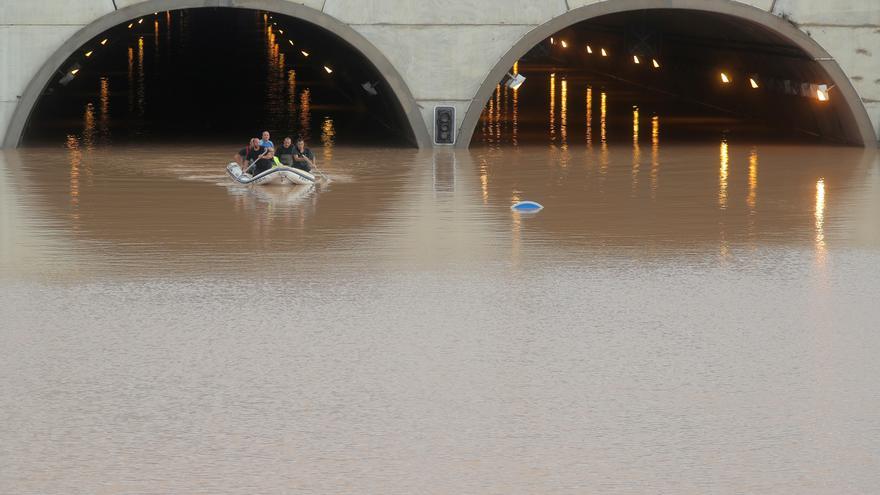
627,117
688,75
217,75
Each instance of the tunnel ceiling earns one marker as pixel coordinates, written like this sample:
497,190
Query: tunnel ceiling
696,24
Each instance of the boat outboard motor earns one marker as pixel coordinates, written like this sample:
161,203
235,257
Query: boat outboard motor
234,169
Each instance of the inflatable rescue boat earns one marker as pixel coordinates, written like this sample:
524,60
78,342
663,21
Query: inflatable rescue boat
276,175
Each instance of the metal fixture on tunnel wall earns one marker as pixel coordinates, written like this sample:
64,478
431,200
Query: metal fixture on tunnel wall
444,125
370,87
69,75
515,81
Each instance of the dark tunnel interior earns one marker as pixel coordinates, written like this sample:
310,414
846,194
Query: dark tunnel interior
217,75
693,75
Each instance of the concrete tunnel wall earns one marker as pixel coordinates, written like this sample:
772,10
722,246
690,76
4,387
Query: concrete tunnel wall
440,52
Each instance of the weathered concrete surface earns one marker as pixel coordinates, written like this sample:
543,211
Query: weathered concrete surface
446,12
443,49
23,48
442,65
858,54
829,12
29,12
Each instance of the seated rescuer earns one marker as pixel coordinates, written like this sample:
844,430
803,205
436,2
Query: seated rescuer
266,142
303,158
265,162
285,152
249,154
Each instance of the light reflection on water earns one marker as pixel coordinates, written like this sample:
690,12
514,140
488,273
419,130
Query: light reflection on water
75,164
131,85
141,92
752,199
305,113
563,115
89,126
636,152
402,320
291,97
820,220
104,119
328,135
484,180
515,119
724,162
680,187
603,108
501,113
589,117
655,155
552,116
604,160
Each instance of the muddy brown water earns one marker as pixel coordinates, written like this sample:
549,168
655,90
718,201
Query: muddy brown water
682,318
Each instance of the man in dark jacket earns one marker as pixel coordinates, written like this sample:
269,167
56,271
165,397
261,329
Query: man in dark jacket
255,159
250,154
303,158
285,152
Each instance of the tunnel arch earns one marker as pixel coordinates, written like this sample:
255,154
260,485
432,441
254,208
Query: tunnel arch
856,121
403,95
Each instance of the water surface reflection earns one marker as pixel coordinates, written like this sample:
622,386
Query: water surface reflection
164,202
167,331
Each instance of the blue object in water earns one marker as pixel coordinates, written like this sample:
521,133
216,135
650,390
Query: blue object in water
526,206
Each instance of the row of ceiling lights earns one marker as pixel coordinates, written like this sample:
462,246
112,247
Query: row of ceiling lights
304,53
75,69
819,90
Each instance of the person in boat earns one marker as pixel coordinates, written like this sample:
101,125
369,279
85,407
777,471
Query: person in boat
249,154
266,142
285,152
265,162
303,158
